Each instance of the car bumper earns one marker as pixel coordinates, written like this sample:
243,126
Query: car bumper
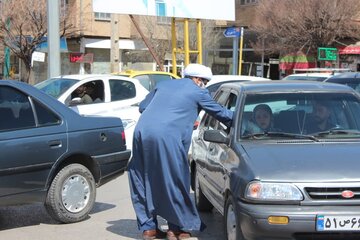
302,221
112,165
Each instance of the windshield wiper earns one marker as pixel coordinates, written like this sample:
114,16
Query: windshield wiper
337,131
281,134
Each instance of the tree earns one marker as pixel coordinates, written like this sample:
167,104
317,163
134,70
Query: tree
23,26
288,26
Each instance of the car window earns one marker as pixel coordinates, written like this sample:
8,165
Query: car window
17,113
156,78
145,81
45,116
56,86
121,90
94,89
227,100
299,113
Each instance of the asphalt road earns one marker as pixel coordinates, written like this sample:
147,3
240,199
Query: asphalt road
112,218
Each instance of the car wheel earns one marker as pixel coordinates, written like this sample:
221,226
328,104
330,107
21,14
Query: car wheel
232,223
71,195
202,203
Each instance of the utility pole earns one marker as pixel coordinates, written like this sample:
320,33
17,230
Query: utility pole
53,11
114,52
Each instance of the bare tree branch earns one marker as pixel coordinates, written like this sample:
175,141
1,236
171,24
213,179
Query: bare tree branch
23,29
293,25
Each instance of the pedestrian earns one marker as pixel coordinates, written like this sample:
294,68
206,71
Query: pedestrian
159,174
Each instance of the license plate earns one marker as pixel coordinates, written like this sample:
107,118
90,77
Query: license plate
337,223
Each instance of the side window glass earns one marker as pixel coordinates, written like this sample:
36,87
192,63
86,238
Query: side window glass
145,81
159,78
81,95
95,89
121,90
45,116
230,104
15,110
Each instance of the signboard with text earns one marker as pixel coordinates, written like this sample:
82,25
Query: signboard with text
329,54
201,9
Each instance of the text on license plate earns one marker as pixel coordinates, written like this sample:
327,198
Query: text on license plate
337,223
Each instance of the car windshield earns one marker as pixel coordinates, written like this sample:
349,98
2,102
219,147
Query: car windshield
56,86
301,115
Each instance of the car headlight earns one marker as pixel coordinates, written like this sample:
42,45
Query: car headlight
268,191
127,123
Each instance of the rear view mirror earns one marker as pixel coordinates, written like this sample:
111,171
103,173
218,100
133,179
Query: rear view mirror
215,136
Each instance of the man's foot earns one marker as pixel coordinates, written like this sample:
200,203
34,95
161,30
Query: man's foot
152,234
174,235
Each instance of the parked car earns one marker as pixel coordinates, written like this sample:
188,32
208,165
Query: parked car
112,94
289,182
351,79
53,155
148,79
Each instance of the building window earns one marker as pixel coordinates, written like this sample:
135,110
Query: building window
160,8
102,16
247,2
161,13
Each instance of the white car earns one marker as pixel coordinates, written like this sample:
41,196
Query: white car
308,76
112,96
212,86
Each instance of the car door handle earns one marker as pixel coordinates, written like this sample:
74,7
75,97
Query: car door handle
55,143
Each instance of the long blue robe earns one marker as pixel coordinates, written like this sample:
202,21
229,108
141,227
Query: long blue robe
159,173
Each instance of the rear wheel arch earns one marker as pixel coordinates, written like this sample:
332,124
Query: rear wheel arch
82,159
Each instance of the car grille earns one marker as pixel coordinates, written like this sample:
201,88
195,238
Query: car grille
332,193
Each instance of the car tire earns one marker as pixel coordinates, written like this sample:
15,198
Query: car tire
202,203
71,195
231,221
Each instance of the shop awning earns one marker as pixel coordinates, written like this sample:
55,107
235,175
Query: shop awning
352,49
297,61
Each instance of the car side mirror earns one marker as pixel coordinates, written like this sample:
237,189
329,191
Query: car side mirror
75,101
215,136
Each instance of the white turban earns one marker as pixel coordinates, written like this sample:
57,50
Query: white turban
198,70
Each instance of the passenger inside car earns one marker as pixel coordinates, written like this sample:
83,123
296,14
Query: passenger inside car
321,118
263,117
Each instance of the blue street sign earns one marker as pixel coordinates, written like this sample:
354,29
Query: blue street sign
232,32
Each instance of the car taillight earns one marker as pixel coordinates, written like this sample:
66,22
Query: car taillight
123,137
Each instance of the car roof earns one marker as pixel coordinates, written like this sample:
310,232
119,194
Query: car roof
81,77
293,85
346,75
225,78
131,73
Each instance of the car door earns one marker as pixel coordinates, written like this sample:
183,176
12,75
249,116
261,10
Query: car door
207,165
218,154
100,105
32,138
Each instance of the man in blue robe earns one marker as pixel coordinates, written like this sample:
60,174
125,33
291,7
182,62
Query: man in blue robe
159,174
